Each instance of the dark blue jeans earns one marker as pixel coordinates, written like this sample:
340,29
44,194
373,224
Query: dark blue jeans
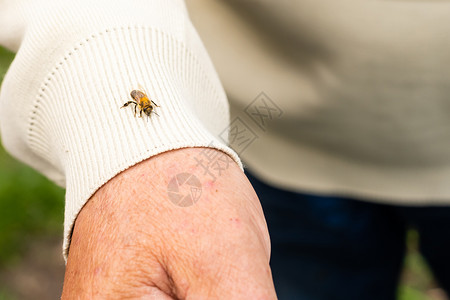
329,248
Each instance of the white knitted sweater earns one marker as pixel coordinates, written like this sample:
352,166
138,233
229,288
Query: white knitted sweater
76,64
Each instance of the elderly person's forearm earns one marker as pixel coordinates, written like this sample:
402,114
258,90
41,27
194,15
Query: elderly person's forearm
132,241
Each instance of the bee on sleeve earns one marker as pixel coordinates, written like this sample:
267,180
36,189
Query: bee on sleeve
141,102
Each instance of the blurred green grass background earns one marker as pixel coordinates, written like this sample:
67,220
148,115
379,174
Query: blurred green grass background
31,206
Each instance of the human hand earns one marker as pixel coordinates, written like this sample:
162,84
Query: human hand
131,241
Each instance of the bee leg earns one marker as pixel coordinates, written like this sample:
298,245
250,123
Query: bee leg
155,103
128,103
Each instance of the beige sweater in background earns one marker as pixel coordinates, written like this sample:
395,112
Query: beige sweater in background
364,88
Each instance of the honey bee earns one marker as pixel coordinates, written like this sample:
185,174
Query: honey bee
143,102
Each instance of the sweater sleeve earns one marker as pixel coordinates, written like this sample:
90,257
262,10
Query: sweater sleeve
76,64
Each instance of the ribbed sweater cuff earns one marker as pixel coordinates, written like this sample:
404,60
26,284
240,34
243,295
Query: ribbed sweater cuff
77,125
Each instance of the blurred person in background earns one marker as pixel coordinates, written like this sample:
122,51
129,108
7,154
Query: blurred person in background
347,146
361,151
